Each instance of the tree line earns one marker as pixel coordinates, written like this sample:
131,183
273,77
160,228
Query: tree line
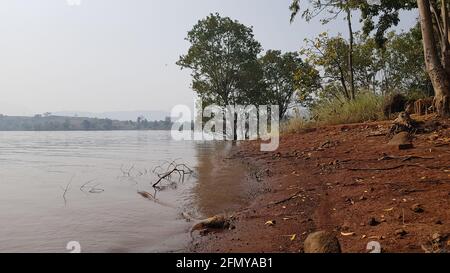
229,66
48,122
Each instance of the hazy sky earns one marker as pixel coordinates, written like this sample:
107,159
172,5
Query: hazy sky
113,55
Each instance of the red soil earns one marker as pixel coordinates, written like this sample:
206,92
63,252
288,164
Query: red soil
337,179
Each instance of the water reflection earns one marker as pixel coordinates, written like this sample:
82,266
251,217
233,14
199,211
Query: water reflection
222,184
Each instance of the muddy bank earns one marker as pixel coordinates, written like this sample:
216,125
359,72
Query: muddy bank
347,180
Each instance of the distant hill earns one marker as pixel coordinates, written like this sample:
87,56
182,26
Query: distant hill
117,115
60,123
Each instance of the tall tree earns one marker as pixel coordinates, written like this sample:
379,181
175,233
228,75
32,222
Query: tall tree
402,64
334,8
397,67
434,21
222,55
284,75
439,70
329,56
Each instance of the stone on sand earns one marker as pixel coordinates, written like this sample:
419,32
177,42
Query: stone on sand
322,242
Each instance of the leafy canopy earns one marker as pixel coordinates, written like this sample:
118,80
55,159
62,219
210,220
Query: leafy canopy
222,57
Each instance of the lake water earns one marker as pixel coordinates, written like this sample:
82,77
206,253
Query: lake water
43,207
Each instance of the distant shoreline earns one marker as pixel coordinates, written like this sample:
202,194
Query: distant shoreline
63,123
114,130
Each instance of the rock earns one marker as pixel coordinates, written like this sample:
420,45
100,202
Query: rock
373,222
437,238
322,242
417,208
362,198
401,232
402,141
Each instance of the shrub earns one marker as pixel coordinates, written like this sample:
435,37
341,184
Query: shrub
366,107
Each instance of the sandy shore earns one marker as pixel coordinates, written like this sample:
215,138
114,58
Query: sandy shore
343,179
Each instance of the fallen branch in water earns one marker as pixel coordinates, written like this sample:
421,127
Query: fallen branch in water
126,173
172,169
147,195
92,189
66,189
152,197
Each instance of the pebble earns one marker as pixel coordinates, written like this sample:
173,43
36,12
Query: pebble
417,208
401,232
437,238
373,222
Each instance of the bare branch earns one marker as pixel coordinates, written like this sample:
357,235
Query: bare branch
173,168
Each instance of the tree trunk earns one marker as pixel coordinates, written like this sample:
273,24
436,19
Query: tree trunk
350,54
436,71
445,39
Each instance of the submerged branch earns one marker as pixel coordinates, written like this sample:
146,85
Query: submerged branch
173,168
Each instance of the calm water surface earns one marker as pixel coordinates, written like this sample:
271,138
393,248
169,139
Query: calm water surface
37,167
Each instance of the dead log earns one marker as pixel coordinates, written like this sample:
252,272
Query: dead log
215,222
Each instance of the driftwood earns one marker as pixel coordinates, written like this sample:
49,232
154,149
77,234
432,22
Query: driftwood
152,197
170,170
215,222
85,188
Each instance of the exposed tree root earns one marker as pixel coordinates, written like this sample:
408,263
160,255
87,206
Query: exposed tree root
287,199
389,168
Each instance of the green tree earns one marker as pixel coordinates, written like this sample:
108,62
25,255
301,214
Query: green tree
403,63
284,75
435,28
333,9
367,64
329,56
397,67
222,58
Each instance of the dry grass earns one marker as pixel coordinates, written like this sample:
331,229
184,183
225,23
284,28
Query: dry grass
367,107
